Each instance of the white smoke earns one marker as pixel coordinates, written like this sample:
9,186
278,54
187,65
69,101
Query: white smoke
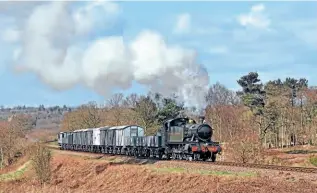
52,50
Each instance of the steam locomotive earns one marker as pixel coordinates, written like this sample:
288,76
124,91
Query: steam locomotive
179,138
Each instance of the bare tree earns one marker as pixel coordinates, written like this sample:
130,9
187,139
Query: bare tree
131,100
218,94
86,116
115,104
12,135
90,115
146,111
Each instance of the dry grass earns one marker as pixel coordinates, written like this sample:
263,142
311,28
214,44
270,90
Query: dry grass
294,156
92,174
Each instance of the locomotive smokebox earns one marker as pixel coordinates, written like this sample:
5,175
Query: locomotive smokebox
201,131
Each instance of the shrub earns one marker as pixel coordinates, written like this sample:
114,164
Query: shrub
248,152
41,160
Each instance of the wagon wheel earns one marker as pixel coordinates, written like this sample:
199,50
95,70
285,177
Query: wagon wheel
135,153
160,155
148,153
196,156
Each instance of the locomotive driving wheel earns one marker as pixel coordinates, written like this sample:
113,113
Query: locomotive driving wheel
213,157
174,155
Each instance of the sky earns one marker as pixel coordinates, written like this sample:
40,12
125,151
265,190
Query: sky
56,53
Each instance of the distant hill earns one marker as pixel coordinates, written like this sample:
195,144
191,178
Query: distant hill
40,117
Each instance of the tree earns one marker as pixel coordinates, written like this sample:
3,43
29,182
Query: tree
12,134
90,115
218,94
294,87
310,110
253,96
71,121
86,116
131,100
146,111
170,109
115,104
252,92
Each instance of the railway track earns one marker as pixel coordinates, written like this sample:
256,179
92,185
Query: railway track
257,166
222,163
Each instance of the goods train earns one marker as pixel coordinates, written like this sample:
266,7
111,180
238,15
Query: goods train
179,138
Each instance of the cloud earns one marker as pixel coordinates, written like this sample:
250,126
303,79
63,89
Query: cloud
255,18
183,23
97,15
10,35
51,48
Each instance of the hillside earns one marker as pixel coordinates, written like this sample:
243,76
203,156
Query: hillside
84,172
38,117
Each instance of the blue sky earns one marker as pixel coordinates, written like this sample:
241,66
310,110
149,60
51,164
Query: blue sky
276,39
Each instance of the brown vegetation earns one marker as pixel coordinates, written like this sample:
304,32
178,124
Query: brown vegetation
13,142
80,174
41,160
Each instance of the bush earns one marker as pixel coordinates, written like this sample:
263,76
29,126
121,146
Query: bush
246,150
41,160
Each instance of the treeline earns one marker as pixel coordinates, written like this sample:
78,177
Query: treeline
148,111
278,113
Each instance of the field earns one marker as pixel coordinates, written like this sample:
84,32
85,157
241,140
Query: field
85,172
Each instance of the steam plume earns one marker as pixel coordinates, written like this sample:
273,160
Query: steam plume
52,50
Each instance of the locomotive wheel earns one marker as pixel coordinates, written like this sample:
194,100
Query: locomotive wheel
213,157
173,155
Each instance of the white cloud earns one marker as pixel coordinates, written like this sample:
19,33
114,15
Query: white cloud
255,18
97,14
10,35
106,63
183,23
